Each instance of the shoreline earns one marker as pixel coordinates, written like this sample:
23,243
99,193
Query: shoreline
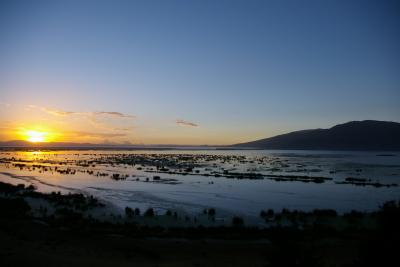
45,206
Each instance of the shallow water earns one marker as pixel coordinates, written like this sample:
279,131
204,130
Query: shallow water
191,180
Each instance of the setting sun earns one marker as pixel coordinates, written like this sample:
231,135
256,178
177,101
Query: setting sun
36,136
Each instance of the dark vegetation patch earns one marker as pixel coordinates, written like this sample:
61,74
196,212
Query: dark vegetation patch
365,182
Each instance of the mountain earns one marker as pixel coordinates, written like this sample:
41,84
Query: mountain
354,135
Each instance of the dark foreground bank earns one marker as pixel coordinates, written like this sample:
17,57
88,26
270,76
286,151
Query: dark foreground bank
66,237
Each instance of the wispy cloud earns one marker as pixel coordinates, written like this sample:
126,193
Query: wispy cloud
124,129
186,123
56,112
115,114
60,112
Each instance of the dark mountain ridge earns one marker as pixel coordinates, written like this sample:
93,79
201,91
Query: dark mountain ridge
354,135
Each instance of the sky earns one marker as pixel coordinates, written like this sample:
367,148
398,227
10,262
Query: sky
194,72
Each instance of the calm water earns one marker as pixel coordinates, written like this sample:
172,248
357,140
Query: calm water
193,180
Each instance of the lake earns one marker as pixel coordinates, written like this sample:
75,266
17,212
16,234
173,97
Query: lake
234,182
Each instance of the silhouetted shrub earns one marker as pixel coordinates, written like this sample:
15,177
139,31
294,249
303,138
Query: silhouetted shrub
237,221
263,214
20,186
129,212
389,216
14,208
354,215
211,212
8,188
137,211
68,216
149,212
325,212
285,211
270,213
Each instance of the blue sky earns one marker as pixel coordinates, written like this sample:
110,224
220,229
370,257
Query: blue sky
239,70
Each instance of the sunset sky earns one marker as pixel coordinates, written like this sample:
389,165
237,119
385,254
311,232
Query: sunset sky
194,72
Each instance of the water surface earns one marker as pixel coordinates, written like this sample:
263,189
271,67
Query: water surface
235,182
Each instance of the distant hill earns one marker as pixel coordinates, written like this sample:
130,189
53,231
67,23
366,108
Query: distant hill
26,144
354,135
21,144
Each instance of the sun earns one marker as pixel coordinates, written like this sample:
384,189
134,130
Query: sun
36,136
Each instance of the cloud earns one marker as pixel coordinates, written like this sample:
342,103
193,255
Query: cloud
96,113
124,129
186,123
60,112
115,114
